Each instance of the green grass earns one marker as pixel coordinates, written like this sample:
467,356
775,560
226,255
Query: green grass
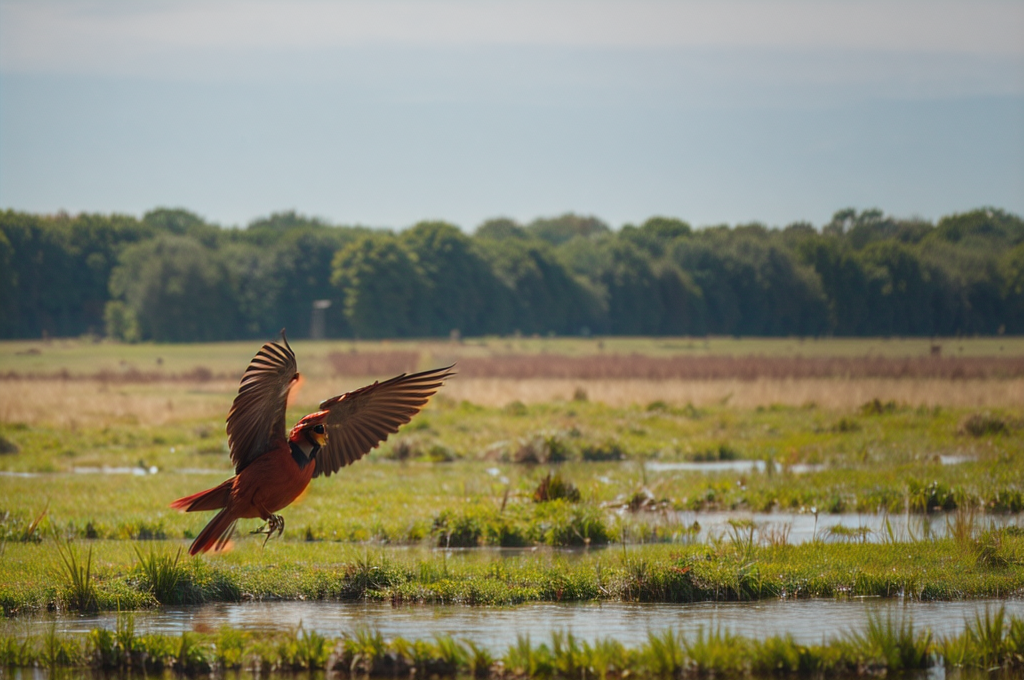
889,462
883,647
991,566
456,477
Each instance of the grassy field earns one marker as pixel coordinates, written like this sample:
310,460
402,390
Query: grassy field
129,575
85,357
98,438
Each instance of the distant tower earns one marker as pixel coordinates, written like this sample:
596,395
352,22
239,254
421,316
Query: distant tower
318,323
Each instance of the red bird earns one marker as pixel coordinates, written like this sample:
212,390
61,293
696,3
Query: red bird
273,468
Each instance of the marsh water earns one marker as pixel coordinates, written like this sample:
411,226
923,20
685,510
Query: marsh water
802,527
808,621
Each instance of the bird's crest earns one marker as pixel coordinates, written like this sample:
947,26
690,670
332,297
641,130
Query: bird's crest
307,421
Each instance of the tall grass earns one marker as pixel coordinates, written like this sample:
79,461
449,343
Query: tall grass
78,584
620,366
164,576
991,640
884,646
892,643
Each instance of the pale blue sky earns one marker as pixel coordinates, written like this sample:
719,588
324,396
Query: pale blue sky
385,112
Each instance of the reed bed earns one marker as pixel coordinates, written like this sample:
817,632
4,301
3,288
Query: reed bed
604,366
744,368
826,393
891,645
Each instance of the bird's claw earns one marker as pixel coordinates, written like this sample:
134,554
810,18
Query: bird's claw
275,523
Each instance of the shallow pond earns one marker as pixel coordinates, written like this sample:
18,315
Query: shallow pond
801,527
808,621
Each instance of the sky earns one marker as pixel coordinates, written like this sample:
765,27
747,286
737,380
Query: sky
388,112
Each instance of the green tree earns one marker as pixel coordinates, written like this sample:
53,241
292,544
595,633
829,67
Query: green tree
303,268
178,290
546,297
558,230
460,290
656,235
751,285
381,287
1013,290
502,229
59,268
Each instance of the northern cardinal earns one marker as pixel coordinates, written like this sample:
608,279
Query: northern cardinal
273,467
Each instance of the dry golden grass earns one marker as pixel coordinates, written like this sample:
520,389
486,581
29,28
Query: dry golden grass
690,368
67,403
830,393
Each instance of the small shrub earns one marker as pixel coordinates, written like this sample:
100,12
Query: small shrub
554,487
405,448
7,447
876,407
516,408
982,425
845,425
541,449
721,452
439,453
458,530
606,451
561,524
145,531
930,497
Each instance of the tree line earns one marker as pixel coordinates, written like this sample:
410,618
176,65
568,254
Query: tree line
172,277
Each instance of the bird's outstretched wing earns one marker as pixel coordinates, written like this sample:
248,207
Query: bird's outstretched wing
360,420
256,420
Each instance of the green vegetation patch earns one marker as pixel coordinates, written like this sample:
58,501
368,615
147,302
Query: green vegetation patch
112,574
892,644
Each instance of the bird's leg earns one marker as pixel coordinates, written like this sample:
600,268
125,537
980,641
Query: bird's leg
273,523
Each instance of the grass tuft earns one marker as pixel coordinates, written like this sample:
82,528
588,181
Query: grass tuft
163,575
79,586
554,487
892,643
982,425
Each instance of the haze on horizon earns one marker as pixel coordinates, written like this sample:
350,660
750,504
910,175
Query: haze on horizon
389,112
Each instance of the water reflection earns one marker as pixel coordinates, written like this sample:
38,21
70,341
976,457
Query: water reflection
802,527
808,621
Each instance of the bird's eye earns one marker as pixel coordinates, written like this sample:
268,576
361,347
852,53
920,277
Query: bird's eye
319,429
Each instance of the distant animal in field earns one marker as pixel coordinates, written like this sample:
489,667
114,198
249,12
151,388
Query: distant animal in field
273,467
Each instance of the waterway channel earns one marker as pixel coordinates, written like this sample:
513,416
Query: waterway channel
808,621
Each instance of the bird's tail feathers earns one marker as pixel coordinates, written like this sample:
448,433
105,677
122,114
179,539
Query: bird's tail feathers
216,535
211,499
